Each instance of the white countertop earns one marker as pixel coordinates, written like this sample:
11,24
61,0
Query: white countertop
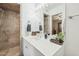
43,45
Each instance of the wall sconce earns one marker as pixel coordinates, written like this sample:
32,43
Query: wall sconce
40,27
28,27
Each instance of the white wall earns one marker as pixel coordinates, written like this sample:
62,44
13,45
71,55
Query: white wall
72,30
25,8
29,12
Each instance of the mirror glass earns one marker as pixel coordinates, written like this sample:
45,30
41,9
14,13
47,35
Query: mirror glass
56,24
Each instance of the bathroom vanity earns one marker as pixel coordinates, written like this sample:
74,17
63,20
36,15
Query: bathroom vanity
34,46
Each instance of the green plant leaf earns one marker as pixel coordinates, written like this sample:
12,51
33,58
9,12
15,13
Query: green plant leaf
60,35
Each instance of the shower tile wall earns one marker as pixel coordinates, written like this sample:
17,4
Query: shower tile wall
9,33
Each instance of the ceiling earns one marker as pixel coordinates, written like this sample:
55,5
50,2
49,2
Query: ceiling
16,7
49,6
53,5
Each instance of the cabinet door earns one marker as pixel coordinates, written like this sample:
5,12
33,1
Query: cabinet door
26,50
29,50
60,52
36,52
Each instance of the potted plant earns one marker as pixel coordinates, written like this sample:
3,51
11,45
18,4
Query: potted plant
60,37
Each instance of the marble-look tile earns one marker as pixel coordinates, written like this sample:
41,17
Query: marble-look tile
9,33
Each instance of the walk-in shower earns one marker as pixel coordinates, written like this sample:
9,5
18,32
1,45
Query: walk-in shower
9,31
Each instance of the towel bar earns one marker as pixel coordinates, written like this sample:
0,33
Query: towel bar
70,17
